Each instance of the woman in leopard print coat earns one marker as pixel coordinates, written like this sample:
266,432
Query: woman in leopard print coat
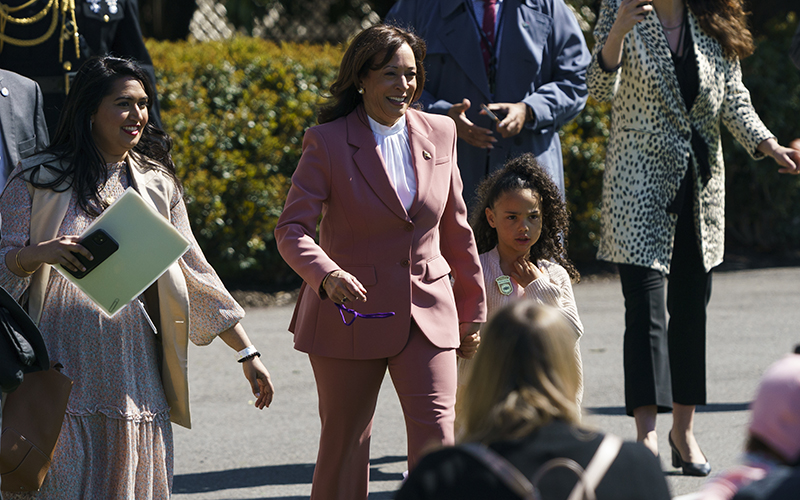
671,70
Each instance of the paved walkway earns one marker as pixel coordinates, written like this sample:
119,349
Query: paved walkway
237,452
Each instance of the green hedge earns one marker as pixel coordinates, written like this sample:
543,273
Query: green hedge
237,111
763,207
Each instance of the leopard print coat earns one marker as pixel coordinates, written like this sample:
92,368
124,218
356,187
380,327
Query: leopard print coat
649,148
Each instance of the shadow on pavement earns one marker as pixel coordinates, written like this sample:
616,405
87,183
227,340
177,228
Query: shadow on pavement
709,408
250,477
253,477
379,495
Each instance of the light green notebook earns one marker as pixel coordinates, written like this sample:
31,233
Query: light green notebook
148,246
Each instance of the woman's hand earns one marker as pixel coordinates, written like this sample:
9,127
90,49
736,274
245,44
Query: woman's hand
787,158
525,271
341,286
256,373
56,251
470,339
254,370
630,13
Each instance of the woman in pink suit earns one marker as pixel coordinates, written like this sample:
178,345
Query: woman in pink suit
393,230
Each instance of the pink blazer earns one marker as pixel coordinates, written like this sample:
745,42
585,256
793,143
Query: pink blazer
402,258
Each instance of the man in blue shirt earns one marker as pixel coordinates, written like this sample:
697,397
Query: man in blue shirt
525,59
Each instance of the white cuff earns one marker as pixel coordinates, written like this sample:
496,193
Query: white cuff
247,351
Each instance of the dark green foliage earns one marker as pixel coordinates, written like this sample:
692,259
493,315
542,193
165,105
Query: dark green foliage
583,142
763,207
237,111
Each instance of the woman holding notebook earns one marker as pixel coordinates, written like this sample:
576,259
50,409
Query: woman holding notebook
129,381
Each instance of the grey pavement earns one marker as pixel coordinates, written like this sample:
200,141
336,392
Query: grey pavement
235,451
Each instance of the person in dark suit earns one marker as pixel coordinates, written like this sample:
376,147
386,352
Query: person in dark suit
52,47
22,122
22,130
384,178
525,59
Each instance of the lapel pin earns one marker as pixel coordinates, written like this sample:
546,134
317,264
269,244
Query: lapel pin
504,284
425,154
4,91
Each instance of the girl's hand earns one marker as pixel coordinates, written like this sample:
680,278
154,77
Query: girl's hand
341,286
525,272
470,339
630,13
256,373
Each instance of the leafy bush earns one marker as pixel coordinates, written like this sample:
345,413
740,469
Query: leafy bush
583,143
763,207
237,111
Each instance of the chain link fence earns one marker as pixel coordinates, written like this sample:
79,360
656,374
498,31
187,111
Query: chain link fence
210,21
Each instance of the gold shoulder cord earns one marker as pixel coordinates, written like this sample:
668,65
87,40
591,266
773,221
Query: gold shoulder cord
69,27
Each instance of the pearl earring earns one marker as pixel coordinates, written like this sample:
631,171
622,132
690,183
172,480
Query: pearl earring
360,91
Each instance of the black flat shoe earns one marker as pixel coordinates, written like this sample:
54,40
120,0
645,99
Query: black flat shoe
689,469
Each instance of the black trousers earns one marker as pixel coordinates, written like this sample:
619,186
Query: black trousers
665,361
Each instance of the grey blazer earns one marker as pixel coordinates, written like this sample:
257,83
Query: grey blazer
21,118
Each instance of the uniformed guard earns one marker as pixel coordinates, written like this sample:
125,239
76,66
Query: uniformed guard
47,40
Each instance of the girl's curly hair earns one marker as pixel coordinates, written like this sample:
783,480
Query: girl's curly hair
524,172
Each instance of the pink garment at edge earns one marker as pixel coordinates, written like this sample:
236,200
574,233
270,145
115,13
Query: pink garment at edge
776,409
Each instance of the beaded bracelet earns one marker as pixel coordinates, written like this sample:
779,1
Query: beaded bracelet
249,356
19,264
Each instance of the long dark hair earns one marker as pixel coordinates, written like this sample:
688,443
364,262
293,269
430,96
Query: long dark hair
518,173
726,21
82,165
360,57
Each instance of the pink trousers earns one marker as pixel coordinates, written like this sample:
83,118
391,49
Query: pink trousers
424,377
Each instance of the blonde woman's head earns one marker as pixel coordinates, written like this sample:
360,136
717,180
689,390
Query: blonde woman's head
524,375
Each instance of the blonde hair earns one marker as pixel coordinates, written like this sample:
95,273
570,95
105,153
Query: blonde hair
524,374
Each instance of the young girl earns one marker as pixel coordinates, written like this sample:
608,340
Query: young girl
519,225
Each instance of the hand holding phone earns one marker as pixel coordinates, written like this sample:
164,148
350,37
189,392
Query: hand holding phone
489,113
101,245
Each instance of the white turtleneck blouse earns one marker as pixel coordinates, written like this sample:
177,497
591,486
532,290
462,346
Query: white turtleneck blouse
396,152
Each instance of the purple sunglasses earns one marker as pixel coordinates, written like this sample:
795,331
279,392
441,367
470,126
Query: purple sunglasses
356,314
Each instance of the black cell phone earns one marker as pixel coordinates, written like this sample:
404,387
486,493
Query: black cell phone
489,112
101,246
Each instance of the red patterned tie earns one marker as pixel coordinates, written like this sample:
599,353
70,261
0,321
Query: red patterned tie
488,30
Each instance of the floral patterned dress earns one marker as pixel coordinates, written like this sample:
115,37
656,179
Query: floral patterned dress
116,441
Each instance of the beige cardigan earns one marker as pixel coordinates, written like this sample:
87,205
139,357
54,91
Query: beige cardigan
47,213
